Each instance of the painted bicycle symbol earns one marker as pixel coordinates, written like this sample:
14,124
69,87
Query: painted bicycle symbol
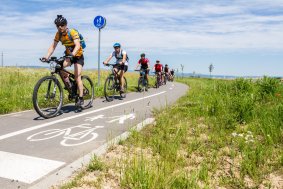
72,136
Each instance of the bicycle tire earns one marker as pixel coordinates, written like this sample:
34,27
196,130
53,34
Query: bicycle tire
87,102
35,97
109,82
157,82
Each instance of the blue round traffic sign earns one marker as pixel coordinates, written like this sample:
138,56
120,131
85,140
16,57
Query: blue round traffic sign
99,22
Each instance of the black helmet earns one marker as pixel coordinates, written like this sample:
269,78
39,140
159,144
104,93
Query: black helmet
142,55
166,64
60,21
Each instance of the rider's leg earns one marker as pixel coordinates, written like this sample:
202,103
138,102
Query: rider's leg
66,63
78,71
121,78
146,76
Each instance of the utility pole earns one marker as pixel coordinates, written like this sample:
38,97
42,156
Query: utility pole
2,59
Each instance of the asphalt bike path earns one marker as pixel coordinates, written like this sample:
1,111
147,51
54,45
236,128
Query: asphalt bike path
32,148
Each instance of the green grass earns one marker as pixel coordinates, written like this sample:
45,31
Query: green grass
243,116
16,86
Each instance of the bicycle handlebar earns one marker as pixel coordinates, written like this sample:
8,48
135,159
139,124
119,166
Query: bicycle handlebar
54,59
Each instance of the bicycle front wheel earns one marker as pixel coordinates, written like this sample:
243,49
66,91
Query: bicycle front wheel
109,89
140,84
47,97
88,92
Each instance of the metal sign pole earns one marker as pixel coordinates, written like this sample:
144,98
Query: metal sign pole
100,23
98,58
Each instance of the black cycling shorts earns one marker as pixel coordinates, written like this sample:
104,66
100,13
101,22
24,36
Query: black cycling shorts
121,67
78,60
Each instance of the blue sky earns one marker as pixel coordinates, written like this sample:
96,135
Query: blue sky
238,37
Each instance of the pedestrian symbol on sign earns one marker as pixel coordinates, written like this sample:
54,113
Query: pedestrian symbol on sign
99,22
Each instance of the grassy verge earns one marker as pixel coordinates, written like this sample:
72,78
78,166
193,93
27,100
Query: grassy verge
222,134
16,86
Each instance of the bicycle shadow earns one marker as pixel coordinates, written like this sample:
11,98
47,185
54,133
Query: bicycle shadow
116,97
64,110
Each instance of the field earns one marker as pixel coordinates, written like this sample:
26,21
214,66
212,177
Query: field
222,134
16,86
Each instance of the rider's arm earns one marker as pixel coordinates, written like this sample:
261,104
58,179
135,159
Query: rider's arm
51,49
124,58
108,59
137,65
77,47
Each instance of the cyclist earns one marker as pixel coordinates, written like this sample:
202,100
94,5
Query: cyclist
158,68
144,64
172,74
121,63
73,49
166,71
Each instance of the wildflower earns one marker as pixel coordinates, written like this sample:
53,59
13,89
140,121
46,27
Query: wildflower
241,135
234,134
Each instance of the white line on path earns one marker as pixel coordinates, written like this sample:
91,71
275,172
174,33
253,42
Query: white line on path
24,168
15,113
73,117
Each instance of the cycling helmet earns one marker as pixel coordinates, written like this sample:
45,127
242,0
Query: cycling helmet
142,55
157,61
117,45
60,21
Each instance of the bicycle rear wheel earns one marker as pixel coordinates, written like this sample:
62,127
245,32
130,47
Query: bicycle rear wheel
47,97
109,89
123,94
157,82
88,92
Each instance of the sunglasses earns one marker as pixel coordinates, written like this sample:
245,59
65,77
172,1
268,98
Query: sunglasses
60,25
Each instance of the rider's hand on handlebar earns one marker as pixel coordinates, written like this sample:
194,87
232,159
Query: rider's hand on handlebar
43,59
105,63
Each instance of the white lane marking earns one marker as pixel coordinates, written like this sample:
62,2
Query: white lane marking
121,119
94,118
12,114
73,117
24,168
72,136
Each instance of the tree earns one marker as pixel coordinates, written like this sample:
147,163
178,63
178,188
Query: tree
211,67
182,68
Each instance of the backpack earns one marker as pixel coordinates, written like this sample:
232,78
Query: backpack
82,41
127,58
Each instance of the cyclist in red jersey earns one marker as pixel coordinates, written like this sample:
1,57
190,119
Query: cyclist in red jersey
144,65
158,68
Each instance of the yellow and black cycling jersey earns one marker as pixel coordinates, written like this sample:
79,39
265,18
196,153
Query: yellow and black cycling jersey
68,43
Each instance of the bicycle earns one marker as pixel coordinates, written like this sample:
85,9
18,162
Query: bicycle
142,83
158,79
112,84
48,93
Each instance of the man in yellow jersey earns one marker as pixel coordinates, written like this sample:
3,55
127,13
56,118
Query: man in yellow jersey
73,48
